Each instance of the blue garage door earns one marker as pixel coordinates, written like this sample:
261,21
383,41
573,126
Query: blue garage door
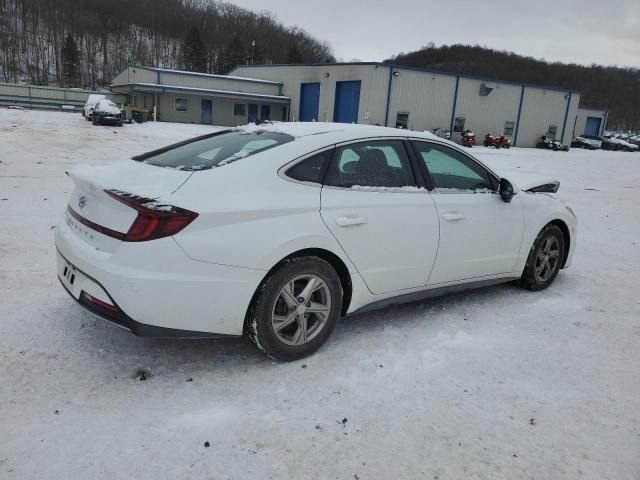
593,126
207,112
265,112
253,113
345,109
309,101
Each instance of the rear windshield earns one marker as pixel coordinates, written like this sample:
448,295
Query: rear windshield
214,150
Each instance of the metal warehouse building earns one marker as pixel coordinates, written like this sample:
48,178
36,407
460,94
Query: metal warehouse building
590,121
419,99
371,93
201,98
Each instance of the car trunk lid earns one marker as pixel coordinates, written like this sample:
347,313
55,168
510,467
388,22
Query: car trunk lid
101,218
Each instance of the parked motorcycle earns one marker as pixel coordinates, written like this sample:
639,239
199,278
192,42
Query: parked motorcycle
491,140
548,144
468,138
503,141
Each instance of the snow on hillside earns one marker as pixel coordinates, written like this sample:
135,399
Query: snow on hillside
499,383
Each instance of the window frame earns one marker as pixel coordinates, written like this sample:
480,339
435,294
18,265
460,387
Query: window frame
493,177
417,174
282,171
462,128
244,109
513,128
175,104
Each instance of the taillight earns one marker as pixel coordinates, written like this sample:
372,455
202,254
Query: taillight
154,220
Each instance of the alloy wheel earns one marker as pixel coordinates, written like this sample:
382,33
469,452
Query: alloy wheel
547,259
301,309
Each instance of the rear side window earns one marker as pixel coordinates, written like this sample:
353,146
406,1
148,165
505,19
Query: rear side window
214,150
382,163
310,169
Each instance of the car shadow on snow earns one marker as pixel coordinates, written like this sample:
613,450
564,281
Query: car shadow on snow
188,357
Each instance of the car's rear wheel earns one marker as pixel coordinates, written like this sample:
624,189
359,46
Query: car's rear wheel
296,308
545,259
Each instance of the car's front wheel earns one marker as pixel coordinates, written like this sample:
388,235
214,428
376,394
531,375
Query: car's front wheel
545,259
296,308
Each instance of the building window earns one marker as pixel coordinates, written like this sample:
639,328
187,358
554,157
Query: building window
402,120
458,124
553,129
508,128
181,104
239,109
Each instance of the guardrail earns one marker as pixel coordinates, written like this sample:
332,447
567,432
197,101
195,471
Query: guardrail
49,98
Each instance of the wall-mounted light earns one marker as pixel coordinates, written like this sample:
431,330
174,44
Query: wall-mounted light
396,73
327,75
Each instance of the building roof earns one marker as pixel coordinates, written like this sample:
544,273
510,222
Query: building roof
418,69
162,88
207,75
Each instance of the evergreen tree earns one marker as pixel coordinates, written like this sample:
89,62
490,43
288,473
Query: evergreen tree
294,55
194,53
233,55
70,62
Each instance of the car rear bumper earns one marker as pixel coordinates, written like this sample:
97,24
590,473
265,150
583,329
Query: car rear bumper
154,288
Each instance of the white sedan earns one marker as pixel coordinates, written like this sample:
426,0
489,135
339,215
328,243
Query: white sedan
276,231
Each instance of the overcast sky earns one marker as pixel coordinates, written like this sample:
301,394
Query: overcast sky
585,31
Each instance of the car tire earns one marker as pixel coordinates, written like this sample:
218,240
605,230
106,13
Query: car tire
271,325
545,259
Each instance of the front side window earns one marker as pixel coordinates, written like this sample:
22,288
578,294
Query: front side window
182,104
310,169
452,170
214,150
382,163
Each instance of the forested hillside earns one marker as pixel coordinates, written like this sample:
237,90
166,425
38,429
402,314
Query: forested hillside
85,43
617,89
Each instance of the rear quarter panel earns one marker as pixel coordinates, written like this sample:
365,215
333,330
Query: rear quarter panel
250,217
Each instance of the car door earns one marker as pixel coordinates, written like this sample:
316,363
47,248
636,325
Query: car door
385,224
480,234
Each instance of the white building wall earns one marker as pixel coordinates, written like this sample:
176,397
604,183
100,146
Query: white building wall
487,114
223,109
428,98
542,108
373,89
581,119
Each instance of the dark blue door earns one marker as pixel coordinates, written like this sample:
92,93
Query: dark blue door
253,113
309,101
207,112
265,112
345,109
593,126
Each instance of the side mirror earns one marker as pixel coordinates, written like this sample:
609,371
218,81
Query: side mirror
506,190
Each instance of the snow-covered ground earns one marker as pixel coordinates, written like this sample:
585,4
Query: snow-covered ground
500,383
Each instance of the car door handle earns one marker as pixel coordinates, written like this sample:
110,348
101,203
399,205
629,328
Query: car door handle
350,220
453,216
